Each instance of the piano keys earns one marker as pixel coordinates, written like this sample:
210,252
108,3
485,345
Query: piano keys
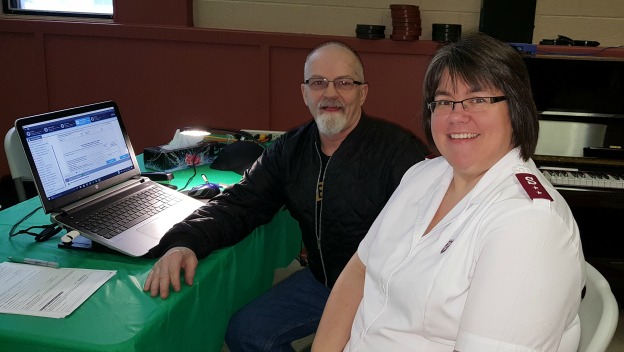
592,179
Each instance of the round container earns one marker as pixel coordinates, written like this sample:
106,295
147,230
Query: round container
445,33
370,31
405,22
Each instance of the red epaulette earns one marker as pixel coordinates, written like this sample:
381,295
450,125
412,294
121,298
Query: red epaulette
532,186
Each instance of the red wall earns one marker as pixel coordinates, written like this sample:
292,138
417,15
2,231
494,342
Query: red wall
165,74
166,77
160,12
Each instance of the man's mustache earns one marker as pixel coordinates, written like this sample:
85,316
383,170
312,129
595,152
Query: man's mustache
329,104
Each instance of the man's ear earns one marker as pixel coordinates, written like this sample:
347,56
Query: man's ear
303,95
363,94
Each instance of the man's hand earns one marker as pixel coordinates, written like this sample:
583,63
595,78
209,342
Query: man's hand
167,269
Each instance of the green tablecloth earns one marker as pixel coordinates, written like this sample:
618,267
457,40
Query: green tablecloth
120,316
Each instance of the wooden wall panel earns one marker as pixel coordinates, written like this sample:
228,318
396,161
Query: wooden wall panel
166,77
161,12
159,85
286,75
394,93
23,88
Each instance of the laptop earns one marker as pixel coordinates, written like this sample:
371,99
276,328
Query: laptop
82,162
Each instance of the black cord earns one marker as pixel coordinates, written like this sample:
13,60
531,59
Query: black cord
190,178
12,232
47,231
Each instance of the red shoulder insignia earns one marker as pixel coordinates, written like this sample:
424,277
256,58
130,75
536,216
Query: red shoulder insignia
532,186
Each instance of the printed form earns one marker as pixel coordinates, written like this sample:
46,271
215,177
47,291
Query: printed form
47,292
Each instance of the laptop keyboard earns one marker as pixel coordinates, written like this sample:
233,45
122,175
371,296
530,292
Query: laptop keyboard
114,219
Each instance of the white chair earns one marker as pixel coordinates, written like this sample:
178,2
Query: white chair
18,164
598,312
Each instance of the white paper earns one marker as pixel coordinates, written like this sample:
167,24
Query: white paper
47,292
182,141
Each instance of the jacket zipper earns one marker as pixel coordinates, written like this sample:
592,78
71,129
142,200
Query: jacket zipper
318,212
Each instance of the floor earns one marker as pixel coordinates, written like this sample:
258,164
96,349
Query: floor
617,344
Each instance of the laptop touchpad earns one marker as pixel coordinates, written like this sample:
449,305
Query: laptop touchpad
157,228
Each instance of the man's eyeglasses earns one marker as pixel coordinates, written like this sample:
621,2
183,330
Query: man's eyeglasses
344,84
476,104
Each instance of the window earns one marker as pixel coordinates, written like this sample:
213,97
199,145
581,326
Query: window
71,8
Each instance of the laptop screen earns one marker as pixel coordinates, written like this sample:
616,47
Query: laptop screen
76,152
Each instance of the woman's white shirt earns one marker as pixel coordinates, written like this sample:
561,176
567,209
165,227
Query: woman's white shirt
500,272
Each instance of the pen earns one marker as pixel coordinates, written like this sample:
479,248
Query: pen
32,261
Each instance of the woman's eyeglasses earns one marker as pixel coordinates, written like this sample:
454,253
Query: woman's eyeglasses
476,104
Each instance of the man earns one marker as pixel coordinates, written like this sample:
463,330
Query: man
334,174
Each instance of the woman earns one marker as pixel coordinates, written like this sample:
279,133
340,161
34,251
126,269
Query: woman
475,251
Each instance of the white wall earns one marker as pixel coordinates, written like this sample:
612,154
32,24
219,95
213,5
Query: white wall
599,20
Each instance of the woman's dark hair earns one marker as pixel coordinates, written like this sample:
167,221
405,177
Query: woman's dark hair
487,63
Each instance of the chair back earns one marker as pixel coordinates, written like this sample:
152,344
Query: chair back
18,164
598,313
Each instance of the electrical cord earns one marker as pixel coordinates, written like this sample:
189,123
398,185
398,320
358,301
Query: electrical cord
188,182
47,231
11,233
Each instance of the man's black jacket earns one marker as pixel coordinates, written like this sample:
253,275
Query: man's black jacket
360,177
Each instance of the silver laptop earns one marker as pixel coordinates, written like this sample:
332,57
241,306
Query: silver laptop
88,179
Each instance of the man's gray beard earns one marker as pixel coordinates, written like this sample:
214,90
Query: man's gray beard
331,123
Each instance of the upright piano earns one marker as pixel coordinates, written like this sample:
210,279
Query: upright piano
581,149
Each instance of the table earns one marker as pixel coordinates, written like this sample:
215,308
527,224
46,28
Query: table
120,316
